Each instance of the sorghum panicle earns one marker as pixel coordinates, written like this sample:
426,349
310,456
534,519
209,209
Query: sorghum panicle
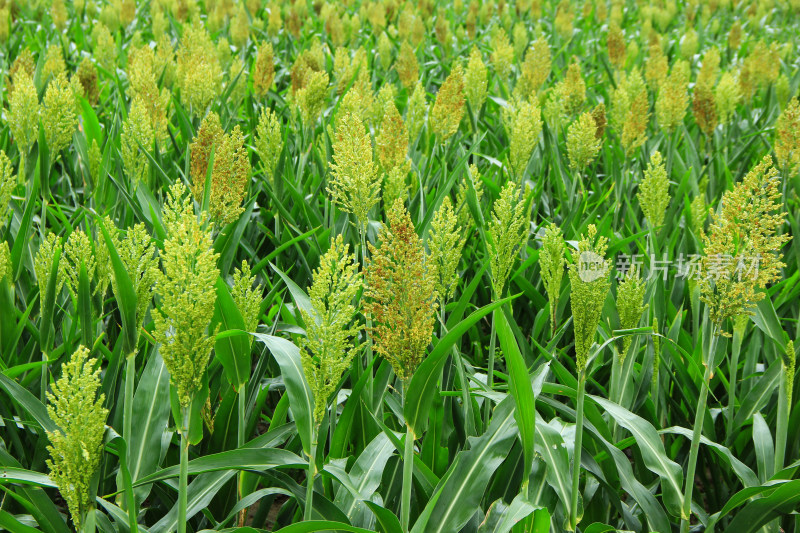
787,137
742,250
630,304
76,447
448,108
589,283
653,192
445,242
401,294
186,292
508,233
331,327
355,184
269,142
582,142
58,114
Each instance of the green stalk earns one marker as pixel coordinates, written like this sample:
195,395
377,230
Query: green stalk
783,420
242,397
576,454
408,465
312,470
183,481
686,511
89,521
490,370
362,231
127,414
738,334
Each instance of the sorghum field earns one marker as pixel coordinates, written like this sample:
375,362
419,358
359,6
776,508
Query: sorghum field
399,266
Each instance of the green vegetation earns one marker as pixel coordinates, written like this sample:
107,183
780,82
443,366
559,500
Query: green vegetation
382,265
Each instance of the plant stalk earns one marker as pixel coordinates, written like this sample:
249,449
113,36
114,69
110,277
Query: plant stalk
312,471
490,370
127,414
576,454
183,481
782,426
686,511
408,465
240,437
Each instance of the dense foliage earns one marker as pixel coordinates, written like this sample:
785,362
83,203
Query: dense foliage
399,266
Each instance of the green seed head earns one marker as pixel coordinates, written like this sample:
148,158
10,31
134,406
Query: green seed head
445,242
476,80
76,447
264,70
185,288
355,184
787,137
269,142
589,281
508,233
23,112
551,263
137,131
523,123
653,192
582,142
58,114
8,182
247,296
331,327
630,304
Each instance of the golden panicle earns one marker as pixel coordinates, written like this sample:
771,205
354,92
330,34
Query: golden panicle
354,185
735,35
600,121
240,27
534,69
230,177
105,49
615,42
87,75
502,55
53,62
208,136
311,98
76,447
689,43
448,108
401,295
704,109
741,253
653,192
574,89
787,137
185,287
24,63
331,326
656,67
589,283
385,49
264,70
8,182
199,72
137,130
563,22
392,141
247,296
727,97
445,242
407,66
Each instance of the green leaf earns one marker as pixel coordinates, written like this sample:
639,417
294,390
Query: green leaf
126,295
755,514
150,418
301,398
233,351
321,525
29,402
459,493
423,384
520,387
